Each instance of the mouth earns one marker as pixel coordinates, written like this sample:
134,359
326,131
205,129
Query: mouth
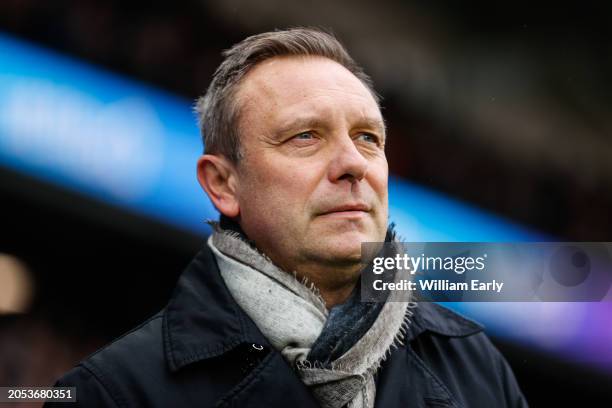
347,210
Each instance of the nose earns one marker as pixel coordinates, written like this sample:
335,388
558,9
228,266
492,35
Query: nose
347,162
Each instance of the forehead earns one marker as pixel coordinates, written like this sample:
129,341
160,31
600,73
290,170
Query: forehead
282,87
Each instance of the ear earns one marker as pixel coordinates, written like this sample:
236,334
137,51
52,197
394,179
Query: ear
217,176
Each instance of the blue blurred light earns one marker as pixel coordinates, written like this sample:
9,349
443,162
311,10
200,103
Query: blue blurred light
96,133
90,131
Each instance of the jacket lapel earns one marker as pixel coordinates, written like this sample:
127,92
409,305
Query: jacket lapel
404,379
203,321
271,384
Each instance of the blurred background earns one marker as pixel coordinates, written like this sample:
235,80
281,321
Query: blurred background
499,130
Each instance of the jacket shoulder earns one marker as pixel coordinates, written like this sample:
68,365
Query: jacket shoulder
135,349
90,391
435,318
462,356
104,378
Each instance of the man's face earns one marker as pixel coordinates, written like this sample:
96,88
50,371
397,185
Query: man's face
313,181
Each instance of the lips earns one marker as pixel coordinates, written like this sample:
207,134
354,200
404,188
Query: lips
361,207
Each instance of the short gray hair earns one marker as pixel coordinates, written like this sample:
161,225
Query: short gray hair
217,110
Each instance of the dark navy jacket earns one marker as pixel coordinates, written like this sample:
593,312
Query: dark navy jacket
202,350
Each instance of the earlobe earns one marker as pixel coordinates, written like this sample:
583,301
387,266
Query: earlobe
217,176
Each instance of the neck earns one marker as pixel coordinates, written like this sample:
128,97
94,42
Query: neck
336,297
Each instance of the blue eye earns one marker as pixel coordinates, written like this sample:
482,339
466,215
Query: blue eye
370,138
304,136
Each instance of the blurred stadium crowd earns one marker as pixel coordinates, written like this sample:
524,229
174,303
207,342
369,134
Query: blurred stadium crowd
504,107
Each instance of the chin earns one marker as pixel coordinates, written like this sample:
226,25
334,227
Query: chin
345,246
341,241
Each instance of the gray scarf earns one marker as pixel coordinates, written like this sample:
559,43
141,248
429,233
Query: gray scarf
293,317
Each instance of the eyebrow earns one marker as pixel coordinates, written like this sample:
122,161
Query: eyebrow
373,123
300,124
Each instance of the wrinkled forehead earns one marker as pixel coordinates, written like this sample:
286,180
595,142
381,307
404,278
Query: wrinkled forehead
281,87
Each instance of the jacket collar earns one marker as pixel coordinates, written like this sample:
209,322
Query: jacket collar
202,320
437,319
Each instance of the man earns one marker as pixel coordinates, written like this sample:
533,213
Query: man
267,314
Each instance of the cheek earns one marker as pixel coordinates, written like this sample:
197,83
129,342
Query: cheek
379,183
379,177
276,189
